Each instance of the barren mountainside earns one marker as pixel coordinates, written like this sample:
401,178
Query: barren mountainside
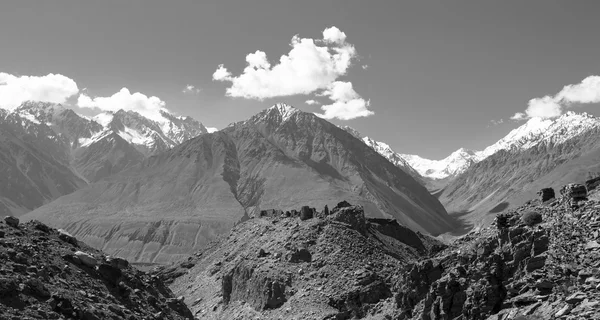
177,201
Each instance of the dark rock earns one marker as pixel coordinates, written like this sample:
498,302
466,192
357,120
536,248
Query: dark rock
117,262
341,205
64,236
40,226
352,215
301,255
12,221
306,213
109,272
546,194
262,253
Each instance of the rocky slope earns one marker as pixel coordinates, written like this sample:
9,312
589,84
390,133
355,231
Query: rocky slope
540,261
176,202
48,274
49,150
385,150
300,265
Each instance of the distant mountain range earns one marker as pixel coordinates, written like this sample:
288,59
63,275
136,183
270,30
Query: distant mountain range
177,201
533,132
48,150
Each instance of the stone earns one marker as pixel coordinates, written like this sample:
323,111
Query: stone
536,262
66,237
592,245
563,311
306,213
12,221
576,297
86,258
2,233
117,262
546,194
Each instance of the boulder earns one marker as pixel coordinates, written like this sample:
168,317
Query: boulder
546,194
66,237
117,262
306,213
86,259
12,221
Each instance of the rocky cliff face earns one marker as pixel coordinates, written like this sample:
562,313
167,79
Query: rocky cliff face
48,274
281,158
540,261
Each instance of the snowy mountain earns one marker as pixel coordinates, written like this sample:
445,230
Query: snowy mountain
530,134
49,150
385,150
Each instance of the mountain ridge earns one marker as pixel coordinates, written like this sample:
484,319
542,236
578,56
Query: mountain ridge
178,200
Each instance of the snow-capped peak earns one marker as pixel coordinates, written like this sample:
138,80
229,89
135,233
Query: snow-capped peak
285,110
530,134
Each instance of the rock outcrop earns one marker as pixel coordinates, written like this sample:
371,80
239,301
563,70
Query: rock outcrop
45,274
338,264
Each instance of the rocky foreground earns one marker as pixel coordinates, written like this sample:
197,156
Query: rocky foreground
48,274
540,261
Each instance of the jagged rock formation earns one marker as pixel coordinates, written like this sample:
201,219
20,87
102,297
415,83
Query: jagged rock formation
48,150
176,202
48,274
332,266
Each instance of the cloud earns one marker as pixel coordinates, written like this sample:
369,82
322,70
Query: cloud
347,104
15,90
497,122
518,116
309,66
585,92
191,89
365,66
221,74
149,107
311,102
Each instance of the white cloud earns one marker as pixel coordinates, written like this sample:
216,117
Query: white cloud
146,106
15,90
221,74
518,116
190,89
311,102
587,91
310,65
211,129
334,35
497,122
347,104
365,66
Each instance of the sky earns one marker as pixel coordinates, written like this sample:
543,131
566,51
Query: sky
426,77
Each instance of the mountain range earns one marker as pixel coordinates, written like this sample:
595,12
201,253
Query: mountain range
178,200
48,150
